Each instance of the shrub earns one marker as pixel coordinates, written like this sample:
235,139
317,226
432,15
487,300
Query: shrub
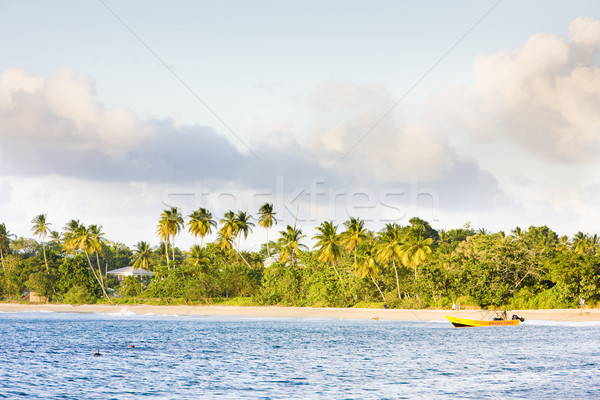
78,295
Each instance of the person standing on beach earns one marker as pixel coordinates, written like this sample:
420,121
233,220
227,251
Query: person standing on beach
453,306
458,306
581,304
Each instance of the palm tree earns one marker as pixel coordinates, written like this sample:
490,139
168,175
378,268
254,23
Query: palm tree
266,220
40,228
70,231
580,243
354,235
198,256
55,237
230,230
78,237
518,233
244,225
390,248
368,266
5,238
98,240
164,234
563,244
169,225
141,257
328,246
415,249
290,245
201,223
224,242
593,244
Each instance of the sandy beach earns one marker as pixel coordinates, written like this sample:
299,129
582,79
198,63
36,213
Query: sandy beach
568,315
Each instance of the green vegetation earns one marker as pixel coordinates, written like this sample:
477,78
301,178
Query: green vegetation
413,266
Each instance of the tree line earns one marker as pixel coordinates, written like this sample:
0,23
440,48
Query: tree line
411,266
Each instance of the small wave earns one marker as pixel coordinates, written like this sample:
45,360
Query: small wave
123,313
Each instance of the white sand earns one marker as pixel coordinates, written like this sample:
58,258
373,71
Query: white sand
303,312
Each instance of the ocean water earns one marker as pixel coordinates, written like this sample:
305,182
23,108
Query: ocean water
50,356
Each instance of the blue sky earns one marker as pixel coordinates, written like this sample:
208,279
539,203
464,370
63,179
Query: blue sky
324,108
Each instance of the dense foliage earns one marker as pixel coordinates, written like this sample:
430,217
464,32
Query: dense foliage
413,266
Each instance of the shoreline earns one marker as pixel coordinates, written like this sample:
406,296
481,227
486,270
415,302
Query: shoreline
559,315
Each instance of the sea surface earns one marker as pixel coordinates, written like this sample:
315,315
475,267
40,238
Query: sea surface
51,356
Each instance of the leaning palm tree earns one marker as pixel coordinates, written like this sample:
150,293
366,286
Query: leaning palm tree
229,226
368,267
328,246
82,239
290,245
69,233
230,229
201,223
415,250
390,248
266,220
40,228
98,240
5,238
354,235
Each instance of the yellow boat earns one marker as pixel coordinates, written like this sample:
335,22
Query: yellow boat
502,320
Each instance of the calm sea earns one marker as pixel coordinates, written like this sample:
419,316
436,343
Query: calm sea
50,356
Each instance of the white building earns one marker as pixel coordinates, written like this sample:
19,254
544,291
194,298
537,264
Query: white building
121,273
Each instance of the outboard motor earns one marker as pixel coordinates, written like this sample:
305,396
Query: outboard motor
515,316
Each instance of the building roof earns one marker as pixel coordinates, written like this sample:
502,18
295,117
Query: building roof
129,271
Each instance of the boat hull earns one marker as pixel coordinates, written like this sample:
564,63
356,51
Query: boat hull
472,323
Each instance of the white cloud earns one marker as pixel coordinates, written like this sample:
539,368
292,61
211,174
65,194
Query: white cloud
543,96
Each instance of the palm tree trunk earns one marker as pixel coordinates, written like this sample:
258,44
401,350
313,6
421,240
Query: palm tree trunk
173,248
240,254
45,260
201,241
2,258
99,268
397,280
167,251
95,276
377,286
268,250
339,276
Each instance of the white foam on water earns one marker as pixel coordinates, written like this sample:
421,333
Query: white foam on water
560,323
123,313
